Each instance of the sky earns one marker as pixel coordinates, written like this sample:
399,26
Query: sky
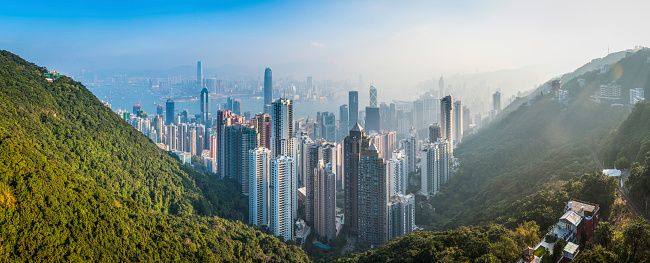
392,42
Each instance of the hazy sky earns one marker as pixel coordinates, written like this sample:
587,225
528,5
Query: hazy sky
407,41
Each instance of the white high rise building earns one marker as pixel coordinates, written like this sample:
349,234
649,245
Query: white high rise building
410,145
258,198
281,197
435,167
397,173
401,215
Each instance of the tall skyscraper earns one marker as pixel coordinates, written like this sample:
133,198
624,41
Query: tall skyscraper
328,122
262,123
325,201
373,122
169,108
199,75
441,87
401,214
205,106
310,85
467,118
353,146
496,101
458,121
410,145
373,198
396,169
258,199
311,154
343,122
280,197
418,114
434,167
282,118
434,133
446,118
373,96
268,88
353,108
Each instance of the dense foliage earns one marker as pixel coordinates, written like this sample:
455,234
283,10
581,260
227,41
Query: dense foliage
487,243
77,183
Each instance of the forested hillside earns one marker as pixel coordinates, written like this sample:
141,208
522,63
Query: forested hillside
524,165
77,183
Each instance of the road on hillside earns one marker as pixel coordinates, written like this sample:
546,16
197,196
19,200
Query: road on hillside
622,190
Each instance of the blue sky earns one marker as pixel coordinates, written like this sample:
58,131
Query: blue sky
412,40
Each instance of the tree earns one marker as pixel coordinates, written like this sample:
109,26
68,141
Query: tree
603,234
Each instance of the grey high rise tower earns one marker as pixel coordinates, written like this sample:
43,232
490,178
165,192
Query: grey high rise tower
353,109
343,122
205,105
496,101
199,74
446,118
268,88
441,86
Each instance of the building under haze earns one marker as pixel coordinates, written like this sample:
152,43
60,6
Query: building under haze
343,122
373,96
353,104
446,118
268,90
199,75
458,121
205,106
373,119
434,133
496,101
434,167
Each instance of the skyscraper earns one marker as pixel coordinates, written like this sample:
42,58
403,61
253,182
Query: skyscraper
410,144
446,118
343,122
441,86
353,146
353,108
282,118
401,214
467,118
396,169
458,121
373,119
262,123
199,75
434,133
169,108
496,101
325,201
372,198
258,199
418,114
434,167
311,156
268,88
280,197
328,122
309,83
205,106
373,96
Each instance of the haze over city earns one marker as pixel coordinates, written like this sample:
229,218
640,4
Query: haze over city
394,44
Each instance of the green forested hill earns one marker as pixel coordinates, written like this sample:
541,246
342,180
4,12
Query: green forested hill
77,183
